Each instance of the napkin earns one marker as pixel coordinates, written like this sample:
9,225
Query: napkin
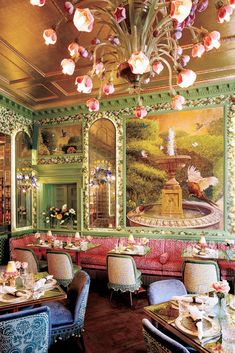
188,299
7,290
196,315
38,285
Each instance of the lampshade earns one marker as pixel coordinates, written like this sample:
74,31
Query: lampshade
202,241
11,267
49,233
144,40
77,235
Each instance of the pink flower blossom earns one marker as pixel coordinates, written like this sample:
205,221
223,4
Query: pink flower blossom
140,112
212,40
177,102
108,88
89,238
83,52
114,40
198,50
24,265
120,14
157,67
224,14
180,9
73,48
68,66
93,105
84,84
39,3
139,63
221,287
69,7
232,3
18,265
186,78
99,68
83,20
95,41
50,36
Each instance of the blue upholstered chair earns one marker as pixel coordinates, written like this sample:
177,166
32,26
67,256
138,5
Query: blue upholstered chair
162,291
67,318
25,331
156,341
198,274
28,255
122,274
61,267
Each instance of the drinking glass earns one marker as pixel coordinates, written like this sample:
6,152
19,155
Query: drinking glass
29,280
228,334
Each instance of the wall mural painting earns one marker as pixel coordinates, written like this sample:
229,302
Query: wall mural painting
60,140
175,170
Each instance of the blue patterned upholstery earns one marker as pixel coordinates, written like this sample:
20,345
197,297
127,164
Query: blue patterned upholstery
68,317
123,274
26,331
162,291
61,267
158,342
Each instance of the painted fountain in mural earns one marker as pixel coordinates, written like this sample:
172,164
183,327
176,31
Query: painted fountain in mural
173,211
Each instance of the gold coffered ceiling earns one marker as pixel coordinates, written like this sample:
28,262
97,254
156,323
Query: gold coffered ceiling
30,71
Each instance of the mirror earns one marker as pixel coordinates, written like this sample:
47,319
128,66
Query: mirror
5,182
59,206
102,174
25,180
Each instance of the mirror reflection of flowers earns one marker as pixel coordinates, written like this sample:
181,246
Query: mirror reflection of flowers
60,216
101,174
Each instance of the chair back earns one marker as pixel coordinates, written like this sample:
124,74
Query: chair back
200,273
121,269
27,255
77,296
60,266
25,331
162,291
156,341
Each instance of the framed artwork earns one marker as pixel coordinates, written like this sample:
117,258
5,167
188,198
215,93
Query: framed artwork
57,140
175,170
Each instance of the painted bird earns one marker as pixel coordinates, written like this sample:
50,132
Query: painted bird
197,184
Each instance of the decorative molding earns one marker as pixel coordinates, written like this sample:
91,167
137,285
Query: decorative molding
12,122
62,159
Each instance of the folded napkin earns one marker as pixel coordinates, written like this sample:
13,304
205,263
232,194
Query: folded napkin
38,285
188,299
7,290
196,315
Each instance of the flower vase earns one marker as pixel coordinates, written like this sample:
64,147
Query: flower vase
220,309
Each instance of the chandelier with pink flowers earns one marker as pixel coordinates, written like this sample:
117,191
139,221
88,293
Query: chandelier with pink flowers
144,40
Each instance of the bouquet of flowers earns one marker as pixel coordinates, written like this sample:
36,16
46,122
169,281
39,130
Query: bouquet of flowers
60,216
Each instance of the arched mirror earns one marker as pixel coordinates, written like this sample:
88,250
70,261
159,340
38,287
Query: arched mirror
102,174
25,180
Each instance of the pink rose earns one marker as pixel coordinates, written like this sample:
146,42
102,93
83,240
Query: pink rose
139,63
177,102
50,36
186,78
73,48
212,40
232,3
157,67
99,68
93,105
221,287
18,265
39,3
24,265
83,20
224,14
180,9
140,112
68,66
120,14
83,52
84,84
198,50
108,88
69,7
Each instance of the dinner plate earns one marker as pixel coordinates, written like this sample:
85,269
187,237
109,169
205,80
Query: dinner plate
186,324
50,284
44,245
72,247
8,298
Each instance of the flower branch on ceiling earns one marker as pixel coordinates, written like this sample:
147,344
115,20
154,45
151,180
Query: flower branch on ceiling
144,41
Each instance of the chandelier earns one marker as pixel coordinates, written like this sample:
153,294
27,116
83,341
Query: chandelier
144,40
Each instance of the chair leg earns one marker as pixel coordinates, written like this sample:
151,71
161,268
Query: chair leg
81,339
111,295
131,299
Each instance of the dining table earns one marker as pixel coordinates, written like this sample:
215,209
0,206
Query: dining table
71,248
134,250
51,291
167,316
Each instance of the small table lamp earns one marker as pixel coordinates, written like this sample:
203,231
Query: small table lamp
202,242
11,267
